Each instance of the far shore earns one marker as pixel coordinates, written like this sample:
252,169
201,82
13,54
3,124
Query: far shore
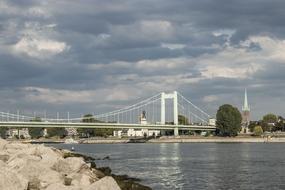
166,139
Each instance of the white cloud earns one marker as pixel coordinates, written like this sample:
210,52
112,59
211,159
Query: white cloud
39,48
210,98
241,72
158,28
59,96
173,46
271,48
163,64
37,41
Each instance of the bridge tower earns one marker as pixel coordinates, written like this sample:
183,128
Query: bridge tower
172,96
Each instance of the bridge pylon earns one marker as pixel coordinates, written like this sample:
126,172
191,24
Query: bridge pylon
172,96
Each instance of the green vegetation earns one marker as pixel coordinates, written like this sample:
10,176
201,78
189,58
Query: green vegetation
182,120
56,132
257,131
3,132
279,125
88,132
268,122
35,132
252,124
228,120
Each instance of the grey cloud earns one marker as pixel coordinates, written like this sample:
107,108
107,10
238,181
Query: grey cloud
106,32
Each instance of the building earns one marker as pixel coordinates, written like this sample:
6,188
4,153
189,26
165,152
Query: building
71,131
245,114
20,133
137,132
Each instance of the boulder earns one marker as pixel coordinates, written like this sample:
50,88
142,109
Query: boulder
2,144
48,155
106,183
13,148
31,170
19,160
69,165
80,180
59,186
4,157
11,180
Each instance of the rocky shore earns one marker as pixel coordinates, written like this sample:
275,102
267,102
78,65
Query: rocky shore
37,167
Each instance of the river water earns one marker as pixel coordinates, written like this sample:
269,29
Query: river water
195,165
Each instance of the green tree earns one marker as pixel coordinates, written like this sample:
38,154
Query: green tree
258,131
56,132
3,132
228,120
252,125
279,125
89,118
36,132
268,122
182,120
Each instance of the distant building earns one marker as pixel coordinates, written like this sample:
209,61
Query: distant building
245,114
212,122
71,131
20,133
137,132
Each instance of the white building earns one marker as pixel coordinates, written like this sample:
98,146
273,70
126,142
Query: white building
137,132
71,131
24,132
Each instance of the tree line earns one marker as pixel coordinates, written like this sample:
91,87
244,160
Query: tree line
229,121
61,132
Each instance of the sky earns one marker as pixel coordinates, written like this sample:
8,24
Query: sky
95,56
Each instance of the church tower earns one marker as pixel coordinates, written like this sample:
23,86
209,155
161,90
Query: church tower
245,114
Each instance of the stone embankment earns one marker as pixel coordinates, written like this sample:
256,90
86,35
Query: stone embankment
37,167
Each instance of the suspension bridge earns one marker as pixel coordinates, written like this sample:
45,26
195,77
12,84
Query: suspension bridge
164,111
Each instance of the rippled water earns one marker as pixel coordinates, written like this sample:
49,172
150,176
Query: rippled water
195,165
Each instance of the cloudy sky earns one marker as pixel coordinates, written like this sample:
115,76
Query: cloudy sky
94,55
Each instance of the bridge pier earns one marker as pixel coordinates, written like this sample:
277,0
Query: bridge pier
176,131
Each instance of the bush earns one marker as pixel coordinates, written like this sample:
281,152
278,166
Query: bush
258,131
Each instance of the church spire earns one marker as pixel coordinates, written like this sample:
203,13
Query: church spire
245,103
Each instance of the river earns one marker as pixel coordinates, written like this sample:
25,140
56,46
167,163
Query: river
194,165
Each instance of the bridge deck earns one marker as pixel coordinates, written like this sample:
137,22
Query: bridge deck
14,124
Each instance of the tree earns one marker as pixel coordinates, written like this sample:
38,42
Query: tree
228,120
268,122
182,120
258,131
87,131
251,125
59,132
36,132
279,125
3,132
89,118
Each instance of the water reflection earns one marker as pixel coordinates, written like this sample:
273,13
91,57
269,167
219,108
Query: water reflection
169,171
196,165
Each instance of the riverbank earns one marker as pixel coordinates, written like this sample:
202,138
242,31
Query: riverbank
167,139
219,140
37,167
